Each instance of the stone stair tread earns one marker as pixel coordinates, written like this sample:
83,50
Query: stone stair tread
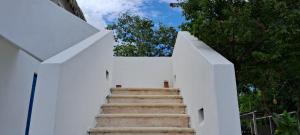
150,89
121,98
142,120
148,111
143,108
141,129
126,115
145,91
144,96
143,104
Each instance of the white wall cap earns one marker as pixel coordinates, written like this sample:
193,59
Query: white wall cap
40,27
204,50
76,49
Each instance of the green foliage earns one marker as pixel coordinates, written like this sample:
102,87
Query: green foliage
127,50
249,101
137,36
262,39
286,124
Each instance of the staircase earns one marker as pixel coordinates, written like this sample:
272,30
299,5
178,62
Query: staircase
143,111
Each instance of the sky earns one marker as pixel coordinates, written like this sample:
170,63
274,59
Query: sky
109,10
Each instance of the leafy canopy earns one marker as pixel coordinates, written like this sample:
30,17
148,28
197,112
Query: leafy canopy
137,36
286,124
262,39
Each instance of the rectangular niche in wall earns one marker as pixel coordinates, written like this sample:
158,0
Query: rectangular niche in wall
201,115
107,74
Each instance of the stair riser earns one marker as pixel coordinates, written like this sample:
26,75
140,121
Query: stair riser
144,100
145,92
142,122
143,110
126,133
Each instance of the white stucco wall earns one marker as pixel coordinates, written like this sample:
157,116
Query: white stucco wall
206,80
16,75
142,71
72,86
40,27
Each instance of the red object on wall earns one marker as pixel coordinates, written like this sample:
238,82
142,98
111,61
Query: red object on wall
166,84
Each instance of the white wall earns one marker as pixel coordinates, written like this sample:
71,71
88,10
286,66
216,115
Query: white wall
206,80
40,27
72,86
16,75
142,71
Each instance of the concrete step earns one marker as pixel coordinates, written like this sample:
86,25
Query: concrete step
145,91
141,131
143,120
143,108
144,99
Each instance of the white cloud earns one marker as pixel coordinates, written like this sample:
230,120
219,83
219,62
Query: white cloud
96,10
168,1
99,12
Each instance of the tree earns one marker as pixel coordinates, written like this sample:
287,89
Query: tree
261,37
137,36
286,124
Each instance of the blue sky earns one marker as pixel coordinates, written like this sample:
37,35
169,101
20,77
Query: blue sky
102,12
